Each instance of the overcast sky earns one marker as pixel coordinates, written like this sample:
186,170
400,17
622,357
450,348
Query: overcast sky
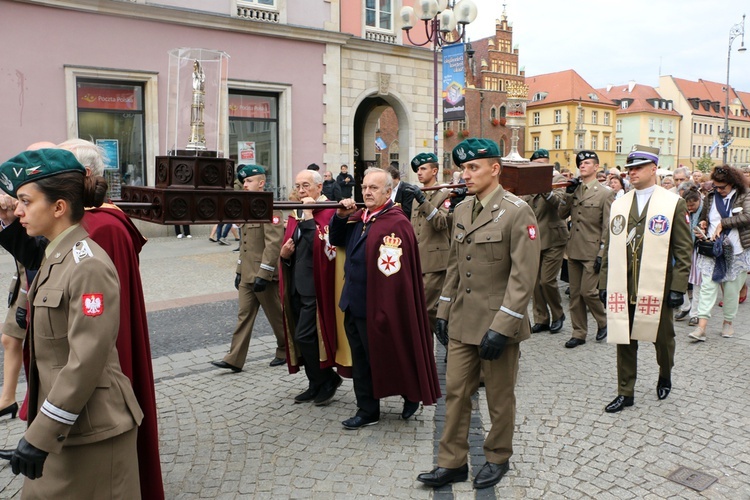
615,42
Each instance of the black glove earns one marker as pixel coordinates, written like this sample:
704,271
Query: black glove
21,317
441,331
603,296
28,460
598,265
260,285
237,280
457,196
573,185
675,299
492,345
418,194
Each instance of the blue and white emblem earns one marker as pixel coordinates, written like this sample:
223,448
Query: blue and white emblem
658,225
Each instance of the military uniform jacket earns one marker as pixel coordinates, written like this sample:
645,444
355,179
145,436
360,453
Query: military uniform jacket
431,224
553,231
77,391
260,249
588,210
492,270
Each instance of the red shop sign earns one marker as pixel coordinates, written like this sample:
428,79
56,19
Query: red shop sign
93,97
241,106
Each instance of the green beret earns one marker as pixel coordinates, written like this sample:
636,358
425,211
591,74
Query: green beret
423,158
246,171
540,153
30,166
472,149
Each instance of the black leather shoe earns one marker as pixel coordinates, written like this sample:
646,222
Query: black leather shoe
410,408
490,474
574,342
224,364
327,391
6,454
557,325
11,409
663,388
619,403
539,327
440,476
277,362
357,422
601,334
307,396
681,315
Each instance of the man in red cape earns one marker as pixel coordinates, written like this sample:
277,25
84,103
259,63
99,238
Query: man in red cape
307,293
384,304
111,229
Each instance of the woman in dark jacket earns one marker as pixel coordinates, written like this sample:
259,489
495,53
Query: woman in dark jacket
725,214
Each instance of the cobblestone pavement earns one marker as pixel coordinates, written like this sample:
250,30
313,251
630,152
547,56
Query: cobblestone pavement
227,435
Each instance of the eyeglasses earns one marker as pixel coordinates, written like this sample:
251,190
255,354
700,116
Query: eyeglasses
721,187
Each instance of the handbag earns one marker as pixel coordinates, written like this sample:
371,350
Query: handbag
706,248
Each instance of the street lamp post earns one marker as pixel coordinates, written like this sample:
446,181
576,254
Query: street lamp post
726,134
440,19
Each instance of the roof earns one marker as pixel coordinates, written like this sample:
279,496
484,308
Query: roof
563,86
709,97
640,95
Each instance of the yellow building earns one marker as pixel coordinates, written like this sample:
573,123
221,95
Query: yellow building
566,115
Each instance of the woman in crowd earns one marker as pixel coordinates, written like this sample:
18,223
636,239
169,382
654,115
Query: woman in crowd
83,415
694,202
726,216
617,184
667,182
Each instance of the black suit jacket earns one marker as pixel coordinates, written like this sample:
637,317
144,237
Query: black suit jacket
405,198
302,260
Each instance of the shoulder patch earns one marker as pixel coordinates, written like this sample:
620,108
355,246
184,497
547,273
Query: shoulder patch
92,303
514,199
81,250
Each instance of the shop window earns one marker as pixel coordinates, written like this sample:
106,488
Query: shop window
111,114
254,133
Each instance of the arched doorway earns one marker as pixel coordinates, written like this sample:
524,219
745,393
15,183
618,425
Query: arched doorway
368,138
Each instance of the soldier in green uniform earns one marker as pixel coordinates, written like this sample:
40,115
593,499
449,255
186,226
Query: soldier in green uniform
257,279
641,293
430,219
482,314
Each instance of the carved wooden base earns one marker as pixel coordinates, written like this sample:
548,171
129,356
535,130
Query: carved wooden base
526,178
194,172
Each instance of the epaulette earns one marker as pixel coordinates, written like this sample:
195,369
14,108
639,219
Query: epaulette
468,198
514,199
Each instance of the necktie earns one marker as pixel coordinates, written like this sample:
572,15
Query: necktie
477,208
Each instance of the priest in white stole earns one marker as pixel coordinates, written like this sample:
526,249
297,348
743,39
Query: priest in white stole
644,273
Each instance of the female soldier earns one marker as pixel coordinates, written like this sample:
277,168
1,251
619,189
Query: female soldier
83,415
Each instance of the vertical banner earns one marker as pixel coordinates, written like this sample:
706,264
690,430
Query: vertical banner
454,83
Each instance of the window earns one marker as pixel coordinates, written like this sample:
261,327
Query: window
581,115
669,148
661,125
535,142
594,117
618,147
624,105
618,125
502,111
671,126
111,113
594,142
651,124
493,113
378,14
557,141
694,155
711,129
605,143
536,120
695,129
558,116
254,132
606,118
257,3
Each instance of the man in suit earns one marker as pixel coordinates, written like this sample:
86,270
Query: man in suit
553,233
403,192
345,182
490,279
644,274
431,222
307,297
257,279
587,204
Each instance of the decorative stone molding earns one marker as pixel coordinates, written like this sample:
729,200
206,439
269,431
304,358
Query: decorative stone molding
377,36
384,82
263,15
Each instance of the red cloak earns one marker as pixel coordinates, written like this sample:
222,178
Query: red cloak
324,274
402,358
111,229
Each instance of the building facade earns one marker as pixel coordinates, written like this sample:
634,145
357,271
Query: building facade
566,115
702,105
644,117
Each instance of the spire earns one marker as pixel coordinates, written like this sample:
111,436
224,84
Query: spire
505,12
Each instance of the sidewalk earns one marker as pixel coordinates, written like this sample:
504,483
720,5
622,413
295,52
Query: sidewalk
227,435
